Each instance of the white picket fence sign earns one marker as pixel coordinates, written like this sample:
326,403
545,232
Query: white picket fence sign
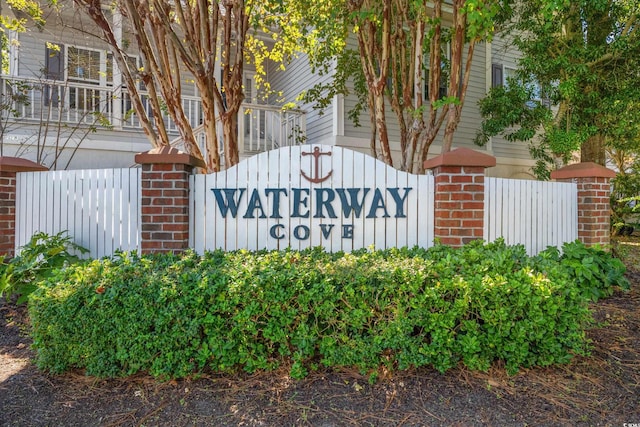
396,207
536,214
270,202
100,209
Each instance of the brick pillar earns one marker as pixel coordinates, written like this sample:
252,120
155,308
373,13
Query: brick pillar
9,167
165,199
459,193
594,211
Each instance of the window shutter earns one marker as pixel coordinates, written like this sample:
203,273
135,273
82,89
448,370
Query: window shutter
54,63
53,70
497,75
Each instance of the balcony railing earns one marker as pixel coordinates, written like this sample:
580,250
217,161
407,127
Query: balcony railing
260,127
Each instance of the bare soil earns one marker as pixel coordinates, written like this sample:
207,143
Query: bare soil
600,390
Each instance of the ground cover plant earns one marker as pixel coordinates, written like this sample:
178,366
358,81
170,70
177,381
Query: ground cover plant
377,311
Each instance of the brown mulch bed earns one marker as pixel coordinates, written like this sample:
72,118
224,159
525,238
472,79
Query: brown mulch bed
603,389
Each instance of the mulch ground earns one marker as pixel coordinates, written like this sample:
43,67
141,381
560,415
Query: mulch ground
603,389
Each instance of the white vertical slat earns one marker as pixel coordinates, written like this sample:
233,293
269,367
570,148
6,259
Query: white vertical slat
360,175
87,237
215,238
306,164
535,216
112,238
426,207
489,212
348,173
200,218
252,181
74,223
135,206
100,211
520,189
401,224
66,203
263,177
37,200
46,201
22,207
429,211
296,182
192,209
285,181
109,212
78,211
501,201
574,211
412,211
237,178
502,227
551,222
127,239
369,227
380,221
525,189
54,208
314,223
334,242
391,228
97,212
504,210
514,211
219,236
272,181
118,210
555,219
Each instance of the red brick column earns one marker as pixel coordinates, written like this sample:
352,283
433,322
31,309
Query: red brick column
459,193
594,211
9,167
165,199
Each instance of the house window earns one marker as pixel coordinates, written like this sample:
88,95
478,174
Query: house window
83,65
501,75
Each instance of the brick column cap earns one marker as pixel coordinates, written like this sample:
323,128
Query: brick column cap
583,170
16,164
461,157
168,155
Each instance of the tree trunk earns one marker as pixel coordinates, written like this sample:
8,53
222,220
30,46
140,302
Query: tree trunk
230,132
593,150
381,125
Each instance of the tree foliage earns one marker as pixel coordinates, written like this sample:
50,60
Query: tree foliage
397,40
584,58
179,40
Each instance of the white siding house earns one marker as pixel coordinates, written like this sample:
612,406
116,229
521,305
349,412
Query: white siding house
73,91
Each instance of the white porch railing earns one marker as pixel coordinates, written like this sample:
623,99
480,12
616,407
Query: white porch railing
265,127
260,127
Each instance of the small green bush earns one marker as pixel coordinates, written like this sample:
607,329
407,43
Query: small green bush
595,271
176,316
36,261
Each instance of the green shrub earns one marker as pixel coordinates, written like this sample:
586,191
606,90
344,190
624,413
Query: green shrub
595,271
176,316
35,262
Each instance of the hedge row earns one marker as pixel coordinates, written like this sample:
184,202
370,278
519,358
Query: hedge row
176,316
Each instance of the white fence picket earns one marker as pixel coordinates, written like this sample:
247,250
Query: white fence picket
533,213
99,209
